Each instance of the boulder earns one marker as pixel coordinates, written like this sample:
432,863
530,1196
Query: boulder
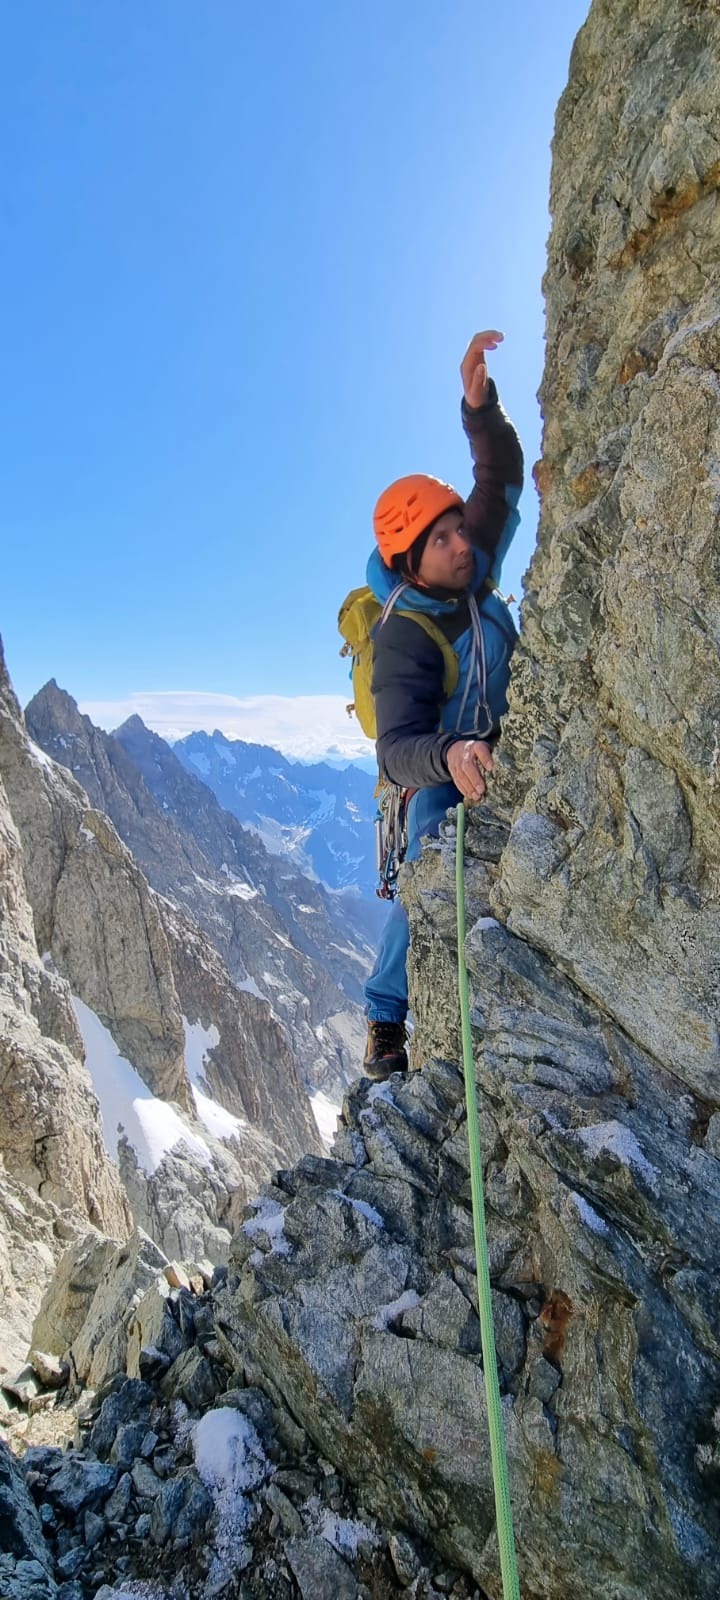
21,1532
69,1294
100,1348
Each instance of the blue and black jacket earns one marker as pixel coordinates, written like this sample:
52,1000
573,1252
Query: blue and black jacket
415,723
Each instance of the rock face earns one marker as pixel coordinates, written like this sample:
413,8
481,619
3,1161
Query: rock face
249,1068
611,766
92,908
197,1075
55,1176
185,1477
190,1203
347,1326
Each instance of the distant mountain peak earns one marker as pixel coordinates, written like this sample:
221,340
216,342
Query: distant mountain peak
134,725
317,815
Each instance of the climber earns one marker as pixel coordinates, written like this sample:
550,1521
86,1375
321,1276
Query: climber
439,556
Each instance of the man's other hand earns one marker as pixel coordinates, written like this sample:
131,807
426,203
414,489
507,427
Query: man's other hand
473,367
468,760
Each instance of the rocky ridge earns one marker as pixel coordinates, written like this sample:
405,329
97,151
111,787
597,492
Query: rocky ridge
346,1330
199,1075
282,937
188,1467
610,752
282,1515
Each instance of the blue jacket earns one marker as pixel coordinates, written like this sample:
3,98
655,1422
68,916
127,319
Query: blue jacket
415,724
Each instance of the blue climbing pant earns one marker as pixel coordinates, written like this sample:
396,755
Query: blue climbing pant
386,990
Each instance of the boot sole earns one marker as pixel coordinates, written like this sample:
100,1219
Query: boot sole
380,1074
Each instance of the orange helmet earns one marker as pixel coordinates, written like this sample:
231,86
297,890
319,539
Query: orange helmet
407,508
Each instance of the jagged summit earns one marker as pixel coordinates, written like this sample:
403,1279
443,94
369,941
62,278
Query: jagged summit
53,705
198,1094
133,724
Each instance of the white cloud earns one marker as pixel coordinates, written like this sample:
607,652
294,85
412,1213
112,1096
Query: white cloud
305,726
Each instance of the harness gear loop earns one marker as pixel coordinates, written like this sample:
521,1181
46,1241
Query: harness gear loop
503,1509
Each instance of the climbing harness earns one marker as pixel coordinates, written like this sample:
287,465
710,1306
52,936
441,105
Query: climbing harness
503,1510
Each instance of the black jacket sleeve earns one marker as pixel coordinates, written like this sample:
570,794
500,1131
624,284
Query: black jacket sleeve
497,467
408,670
408,676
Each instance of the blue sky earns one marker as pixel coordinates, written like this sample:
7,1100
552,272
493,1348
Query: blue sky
243,250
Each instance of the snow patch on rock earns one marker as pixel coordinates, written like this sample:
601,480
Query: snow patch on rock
151,1126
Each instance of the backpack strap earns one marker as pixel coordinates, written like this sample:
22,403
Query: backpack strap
451,665
451,674
361,615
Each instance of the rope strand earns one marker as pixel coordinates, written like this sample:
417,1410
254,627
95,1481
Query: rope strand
503,1509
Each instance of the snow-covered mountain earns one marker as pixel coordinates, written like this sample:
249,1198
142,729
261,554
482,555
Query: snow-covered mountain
318,815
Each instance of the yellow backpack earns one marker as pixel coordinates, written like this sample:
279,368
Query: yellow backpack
359,614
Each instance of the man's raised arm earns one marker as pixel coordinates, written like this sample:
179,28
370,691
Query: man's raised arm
491,510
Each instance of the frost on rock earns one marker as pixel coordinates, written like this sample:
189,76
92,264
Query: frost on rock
362,1206
395,1308
613,1138
134,1590
588,1215
231,1463
381,1091
269,1219
346,1535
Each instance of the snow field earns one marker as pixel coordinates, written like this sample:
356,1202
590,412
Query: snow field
128,1107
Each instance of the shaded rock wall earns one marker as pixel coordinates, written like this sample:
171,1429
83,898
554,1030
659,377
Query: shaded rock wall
92,908
50,1135
55,1177
70,887
593,898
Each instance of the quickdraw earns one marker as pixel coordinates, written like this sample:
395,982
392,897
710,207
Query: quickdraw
391,839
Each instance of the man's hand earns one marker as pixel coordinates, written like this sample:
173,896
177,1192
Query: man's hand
473,368
467,760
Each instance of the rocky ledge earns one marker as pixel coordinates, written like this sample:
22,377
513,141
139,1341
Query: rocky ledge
334,1369
187,1470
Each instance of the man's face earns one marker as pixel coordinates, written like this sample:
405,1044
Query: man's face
447,560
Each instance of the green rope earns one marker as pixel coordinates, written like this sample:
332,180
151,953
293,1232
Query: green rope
503,1510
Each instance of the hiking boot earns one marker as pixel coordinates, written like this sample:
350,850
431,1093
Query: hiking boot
385,1050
